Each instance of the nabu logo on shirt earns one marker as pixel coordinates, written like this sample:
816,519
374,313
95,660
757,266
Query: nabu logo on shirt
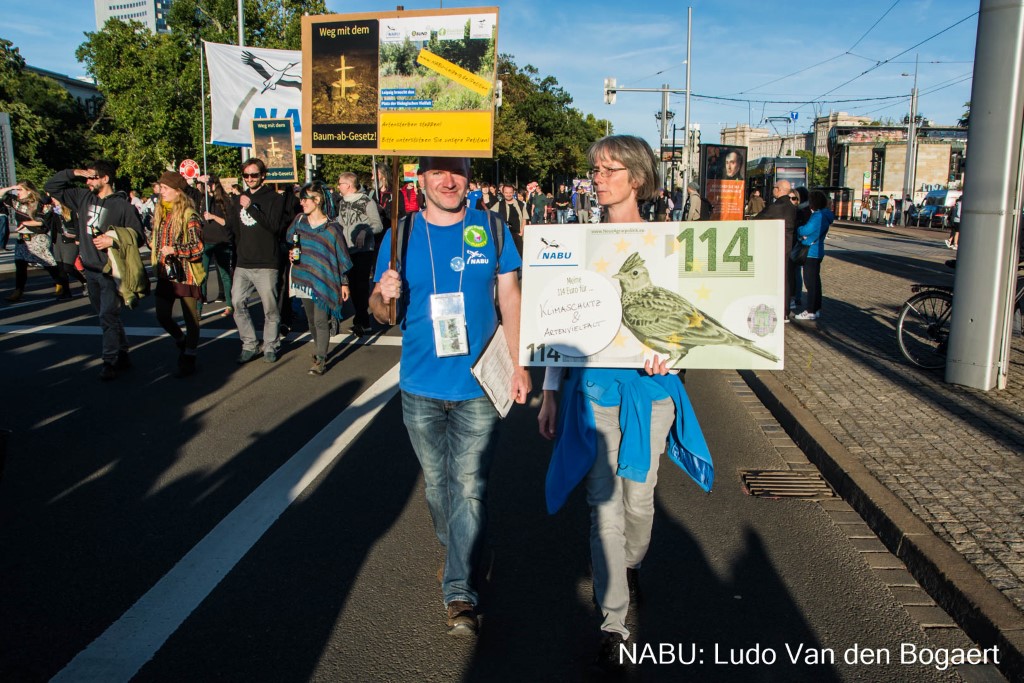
474,257
475,236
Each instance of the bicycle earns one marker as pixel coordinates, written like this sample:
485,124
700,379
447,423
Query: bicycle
922,329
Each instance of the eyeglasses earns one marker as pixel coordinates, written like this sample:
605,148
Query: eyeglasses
251,175
794,199
603,172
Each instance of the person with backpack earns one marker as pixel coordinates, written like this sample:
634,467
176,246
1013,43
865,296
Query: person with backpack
697,208
361,226
451,267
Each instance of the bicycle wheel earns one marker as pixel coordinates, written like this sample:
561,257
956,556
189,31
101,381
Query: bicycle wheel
923,328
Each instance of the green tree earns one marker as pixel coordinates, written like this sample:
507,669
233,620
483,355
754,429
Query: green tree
539,135
49,129
965,120
151,119
817,173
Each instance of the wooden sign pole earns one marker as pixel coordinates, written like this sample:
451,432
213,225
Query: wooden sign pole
395,265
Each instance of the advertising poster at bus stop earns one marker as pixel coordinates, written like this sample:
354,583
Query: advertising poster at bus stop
723,169
702,295
273,141
410,82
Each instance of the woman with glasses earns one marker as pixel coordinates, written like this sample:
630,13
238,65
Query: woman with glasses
176,245
619,465
320,261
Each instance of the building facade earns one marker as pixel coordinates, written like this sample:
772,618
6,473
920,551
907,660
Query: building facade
152,13
872,160
761,142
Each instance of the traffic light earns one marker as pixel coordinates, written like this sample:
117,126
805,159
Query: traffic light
609,91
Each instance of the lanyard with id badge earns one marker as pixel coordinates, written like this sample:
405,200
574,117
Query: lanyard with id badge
448,311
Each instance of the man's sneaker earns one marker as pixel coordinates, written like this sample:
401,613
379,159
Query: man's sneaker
319,365
270,356
806,315
461,619
108,372
633,582
123,362
248,355
609,657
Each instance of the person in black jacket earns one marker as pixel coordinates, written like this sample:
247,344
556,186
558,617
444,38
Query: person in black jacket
785,209
218,241
99,208
257,222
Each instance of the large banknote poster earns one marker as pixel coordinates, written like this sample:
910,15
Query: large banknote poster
702,294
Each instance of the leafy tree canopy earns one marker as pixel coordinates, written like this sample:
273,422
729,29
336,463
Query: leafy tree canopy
49,128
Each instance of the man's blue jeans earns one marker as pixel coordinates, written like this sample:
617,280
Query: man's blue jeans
454,442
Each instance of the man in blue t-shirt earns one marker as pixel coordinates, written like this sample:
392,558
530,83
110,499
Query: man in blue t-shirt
451,270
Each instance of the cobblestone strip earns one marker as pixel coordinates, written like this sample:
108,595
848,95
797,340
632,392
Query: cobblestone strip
952,454
937,624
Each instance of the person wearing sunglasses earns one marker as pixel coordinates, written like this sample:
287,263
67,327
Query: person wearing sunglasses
785,209
257,221
104,215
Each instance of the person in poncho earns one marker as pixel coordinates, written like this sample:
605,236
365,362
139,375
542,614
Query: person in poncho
319,267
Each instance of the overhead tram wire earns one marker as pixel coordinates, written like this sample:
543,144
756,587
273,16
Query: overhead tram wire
826,61
899,54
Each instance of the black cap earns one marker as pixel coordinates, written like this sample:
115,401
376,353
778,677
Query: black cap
458,165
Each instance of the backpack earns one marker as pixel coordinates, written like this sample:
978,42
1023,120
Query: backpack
706,208
401,233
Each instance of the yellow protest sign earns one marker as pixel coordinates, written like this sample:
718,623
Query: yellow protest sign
410,82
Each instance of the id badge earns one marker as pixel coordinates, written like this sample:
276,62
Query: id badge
448,313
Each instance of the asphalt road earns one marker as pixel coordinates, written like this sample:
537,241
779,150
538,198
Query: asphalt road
257,524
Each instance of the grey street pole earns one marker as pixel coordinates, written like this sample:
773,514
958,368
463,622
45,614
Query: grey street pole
686,108
241,43
663,133
908,173
980,331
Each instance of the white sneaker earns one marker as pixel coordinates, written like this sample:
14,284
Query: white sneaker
955,247
949,242
806,315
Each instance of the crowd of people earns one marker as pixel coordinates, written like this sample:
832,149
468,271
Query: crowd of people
330,249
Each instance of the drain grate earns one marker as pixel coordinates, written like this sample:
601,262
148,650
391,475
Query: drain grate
785,484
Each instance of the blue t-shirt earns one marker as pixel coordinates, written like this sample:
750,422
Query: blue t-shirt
421,371
473,197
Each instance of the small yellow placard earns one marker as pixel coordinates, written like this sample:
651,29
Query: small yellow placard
481,86
461,131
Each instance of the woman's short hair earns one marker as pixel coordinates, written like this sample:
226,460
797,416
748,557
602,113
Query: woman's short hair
636,155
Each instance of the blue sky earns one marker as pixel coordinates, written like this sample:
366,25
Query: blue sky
738,49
